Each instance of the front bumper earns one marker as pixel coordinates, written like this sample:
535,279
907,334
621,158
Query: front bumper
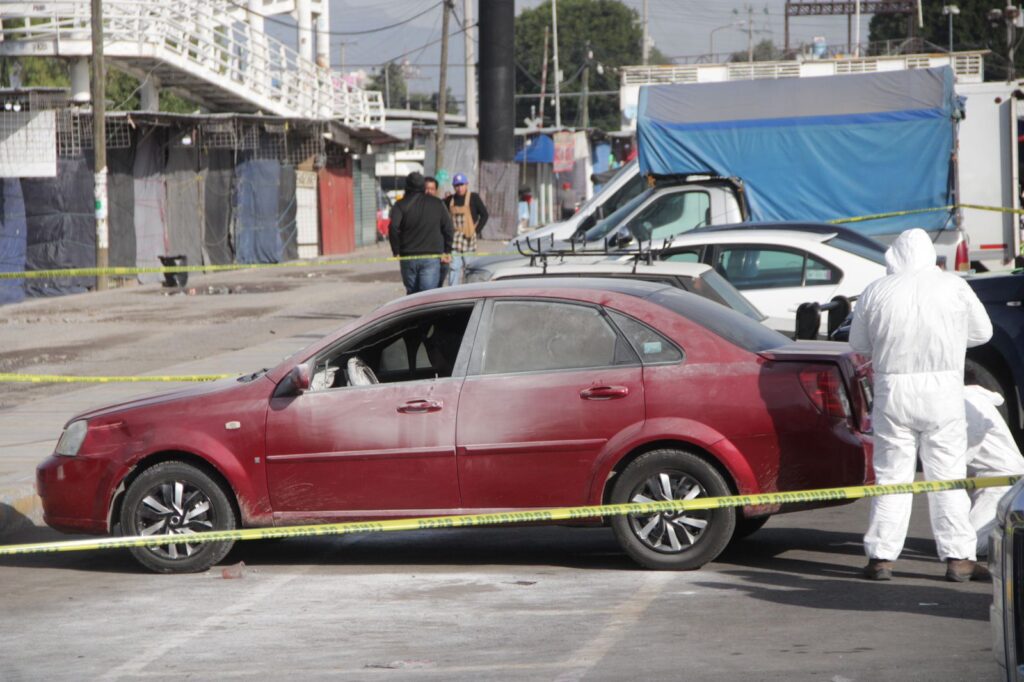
76,493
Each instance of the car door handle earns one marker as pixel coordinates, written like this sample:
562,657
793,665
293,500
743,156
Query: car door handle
604,392
421,406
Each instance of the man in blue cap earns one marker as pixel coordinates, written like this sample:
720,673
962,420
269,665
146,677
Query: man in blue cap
469,215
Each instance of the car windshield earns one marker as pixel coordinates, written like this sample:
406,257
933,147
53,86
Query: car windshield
717,288
601,196
608,225
865,249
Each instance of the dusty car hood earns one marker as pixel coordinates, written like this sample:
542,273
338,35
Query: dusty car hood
205,388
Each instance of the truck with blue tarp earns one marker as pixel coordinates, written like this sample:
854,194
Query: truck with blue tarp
875,152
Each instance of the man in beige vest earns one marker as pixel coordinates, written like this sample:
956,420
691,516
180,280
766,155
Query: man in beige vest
469,215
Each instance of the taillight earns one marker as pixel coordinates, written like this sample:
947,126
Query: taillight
825,389
963,257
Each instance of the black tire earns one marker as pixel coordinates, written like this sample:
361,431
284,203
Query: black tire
977,373
746,527
672,540
175,490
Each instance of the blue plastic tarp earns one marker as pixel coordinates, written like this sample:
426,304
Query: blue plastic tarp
258,231
13,233
818,149
539,149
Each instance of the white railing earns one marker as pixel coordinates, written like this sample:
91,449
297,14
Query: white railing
968,67
209,40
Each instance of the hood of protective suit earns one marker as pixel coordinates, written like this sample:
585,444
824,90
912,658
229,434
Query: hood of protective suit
912,252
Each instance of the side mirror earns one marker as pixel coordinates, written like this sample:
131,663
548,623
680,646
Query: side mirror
301,376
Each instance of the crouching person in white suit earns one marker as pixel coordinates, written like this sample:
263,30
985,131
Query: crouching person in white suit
991,451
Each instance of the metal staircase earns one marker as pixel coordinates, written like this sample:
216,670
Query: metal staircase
204,49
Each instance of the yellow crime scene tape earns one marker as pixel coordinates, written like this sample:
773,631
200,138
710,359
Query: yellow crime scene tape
62,379
171,269
512,517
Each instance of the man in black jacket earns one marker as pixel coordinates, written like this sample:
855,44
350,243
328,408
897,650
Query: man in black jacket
420,227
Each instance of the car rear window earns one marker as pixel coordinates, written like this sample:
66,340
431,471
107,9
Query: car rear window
717,288
725,322
865,249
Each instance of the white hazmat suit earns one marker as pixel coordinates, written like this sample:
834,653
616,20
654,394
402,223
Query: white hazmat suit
917,323
991,451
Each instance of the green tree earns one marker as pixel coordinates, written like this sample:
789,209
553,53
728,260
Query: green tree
971,31
764,51
614,33
390,81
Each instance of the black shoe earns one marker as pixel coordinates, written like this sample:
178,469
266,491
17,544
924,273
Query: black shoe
878,569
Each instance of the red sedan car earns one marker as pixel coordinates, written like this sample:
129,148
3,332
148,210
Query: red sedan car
513,395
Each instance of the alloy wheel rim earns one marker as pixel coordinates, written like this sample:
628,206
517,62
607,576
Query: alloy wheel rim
174,508
669,532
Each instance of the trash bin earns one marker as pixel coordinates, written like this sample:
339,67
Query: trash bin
174,279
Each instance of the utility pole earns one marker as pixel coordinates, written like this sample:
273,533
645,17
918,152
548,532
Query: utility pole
442,96
342,45
467,13
645,49
99,143
750,34
543,77
588,55
558,88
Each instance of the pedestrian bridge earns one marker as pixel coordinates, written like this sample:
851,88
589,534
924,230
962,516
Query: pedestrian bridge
203,49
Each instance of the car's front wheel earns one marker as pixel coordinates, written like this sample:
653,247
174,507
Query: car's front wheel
675,540
177,500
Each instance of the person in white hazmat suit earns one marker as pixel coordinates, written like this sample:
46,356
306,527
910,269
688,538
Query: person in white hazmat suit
991,451
916,324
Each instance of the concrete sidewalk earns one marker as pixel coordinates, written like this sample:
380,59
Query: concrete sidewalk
29,433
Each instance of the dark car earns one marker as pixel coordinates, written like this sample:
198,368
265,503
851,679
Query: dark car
513,395
999,364
1006,563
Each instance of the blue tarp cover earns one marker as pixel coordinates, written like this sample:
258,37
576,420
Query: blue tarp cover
13,239
258,231
813,148
540,149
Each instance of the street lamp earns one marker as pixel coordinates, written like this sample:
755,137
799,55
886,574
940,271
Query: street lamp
950,11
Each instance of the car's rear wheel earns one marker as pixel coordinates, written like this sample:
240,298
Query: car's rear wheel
177,500
677,540
977,373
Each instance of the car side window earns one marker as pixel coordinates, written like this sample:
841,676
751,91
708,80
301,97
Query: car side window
671,214
412,347
531,336
819,272
652,347
760,268
684,257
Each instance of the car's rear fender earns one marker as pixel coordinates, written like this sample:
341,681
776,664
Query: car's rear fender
679,433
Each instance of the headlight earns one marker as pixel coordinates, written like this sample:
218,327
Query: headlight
478,275
71,439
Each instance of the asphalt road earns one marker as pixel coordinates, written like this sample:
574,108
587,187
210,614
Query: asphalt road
500,604
468,604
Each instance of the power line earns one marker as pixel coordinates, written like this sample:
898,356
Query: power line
338,33
423,47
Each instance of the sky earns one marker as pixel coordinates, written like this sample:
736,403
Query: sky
678,27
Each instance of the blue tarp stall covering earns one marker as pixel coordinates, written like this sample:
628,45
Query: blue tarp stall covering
257,227
540,149
61,227
813,148
217,204
13,233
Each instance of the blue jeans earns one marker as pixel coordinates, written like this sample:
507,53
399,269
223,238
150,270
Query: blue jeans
456,272
420,274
